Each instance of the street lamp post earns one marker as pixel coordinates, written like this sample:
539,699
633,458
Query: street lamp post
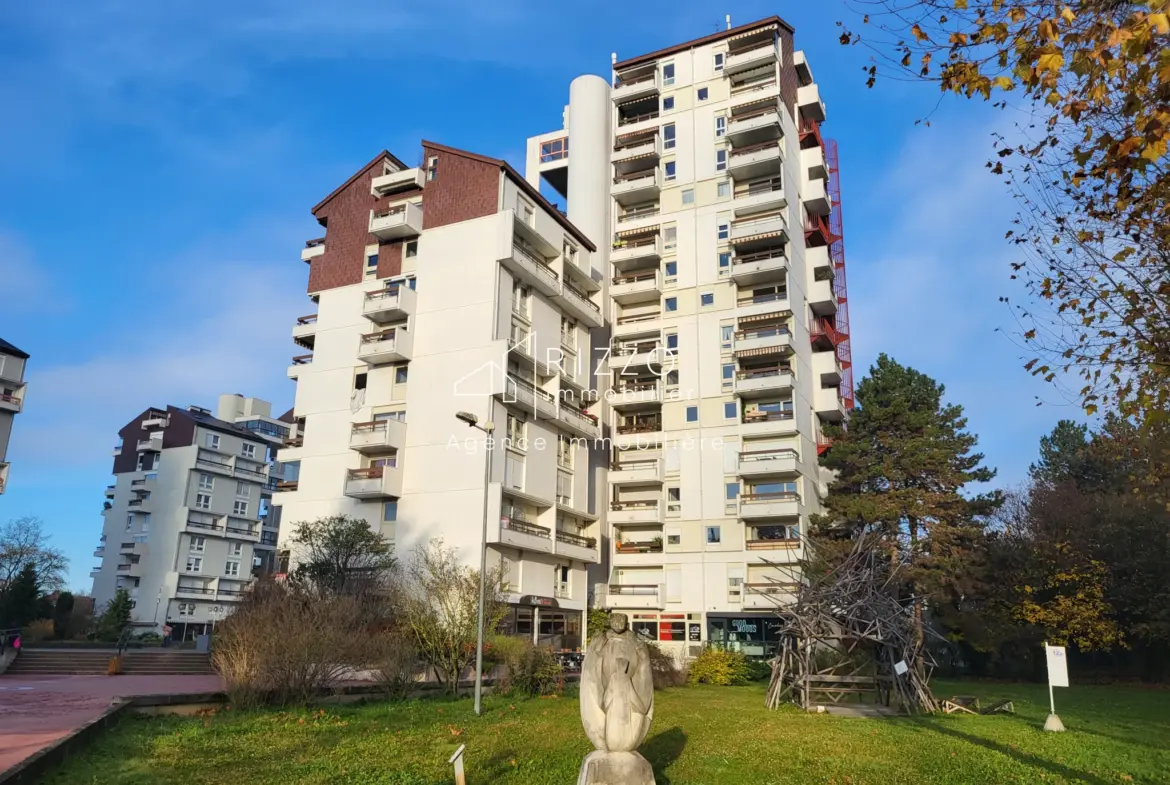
488,427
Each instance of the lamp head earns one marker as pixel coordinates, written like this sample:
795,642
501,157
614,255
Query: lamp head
468,418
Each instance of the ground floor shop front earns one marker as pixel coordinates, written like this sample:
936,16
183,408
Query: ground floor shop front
542,621
756,635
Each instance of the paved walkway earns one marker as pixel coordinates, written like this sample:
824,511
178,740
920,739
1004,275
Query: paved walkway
37,710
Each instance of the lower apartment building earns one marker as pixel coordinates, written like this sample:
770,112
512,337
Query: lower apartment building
186,522
453,287
12,389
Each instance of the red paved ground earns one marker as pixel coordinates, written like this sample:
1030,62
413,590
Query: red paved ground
36,710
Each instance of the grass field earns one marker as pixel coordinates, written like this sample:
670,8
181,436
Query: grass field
700,735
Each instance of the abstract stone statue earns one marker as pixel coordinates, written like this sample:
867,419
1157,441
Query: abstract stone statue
617,706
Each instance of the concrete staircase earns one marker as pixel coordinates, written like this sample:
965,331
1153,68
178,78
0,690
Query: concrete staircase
35,662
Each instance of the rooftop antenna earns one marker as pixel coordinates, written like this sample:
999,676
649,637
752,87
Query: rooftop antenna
729,21
612,70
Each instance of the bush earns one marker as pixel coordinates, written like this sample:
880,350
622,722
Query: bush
720,667
396,666
148,637
665,669
537,672
37,631
758,670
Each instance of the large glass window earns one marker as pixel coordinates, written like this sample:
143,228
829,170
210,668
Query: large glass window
668,136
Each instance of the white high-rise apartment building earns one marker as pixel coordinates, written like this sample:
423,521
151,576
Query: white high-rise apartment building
12,390
445,288
186,522
707,162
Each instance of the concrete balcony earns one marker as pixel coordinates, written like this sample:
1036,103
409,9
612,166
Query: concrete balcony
760,423
747,59
632,326
298,364
785,504
140,505
828,405
774,537
393,303
242,529
816,200
636,151
826,367
817,259
762,341
645,596
641,122
387,346
577,421
520,533
766,229
636,187
767,463
377,436
579,305
304,332
635,87
638,221
403,220
534,399
527,264
203,591
636,287
642,434
375,482
756,91
808,101
635,513
812,161
628,394
131,570
152,444
396,182
754,127
636,472
757,160
626,355
821,298
755,267
14,402
576,546
313,249
759,196
758,382
637,251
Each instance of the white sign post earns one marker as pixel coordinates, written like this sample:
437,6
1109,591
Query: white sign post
1057,677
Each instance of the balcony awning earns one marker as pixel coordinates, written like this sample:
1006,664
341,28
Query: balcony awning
753,32
765,317
763,351
761,236
639,230
771,101
649,133
638,157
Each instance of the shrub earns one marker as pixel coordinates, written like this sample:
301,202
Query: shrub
148,637
37,631
598,622
758,670
537,672
720,667
665,669
396,666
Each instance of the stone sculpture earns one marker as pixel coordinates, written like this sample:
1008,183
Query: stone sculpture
617,706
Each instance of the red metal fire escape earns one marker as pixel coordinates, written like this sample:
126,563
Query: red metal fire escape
837,255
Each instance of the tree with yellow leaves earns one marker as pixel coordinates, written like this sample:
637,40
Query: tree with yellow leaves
1088,166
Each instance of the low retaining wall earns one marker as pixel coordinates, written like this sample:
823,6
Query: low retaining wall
32,769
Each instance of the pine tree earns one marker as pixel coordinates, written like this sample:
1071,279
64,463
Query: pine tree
62,613
18,603
901,466
115,618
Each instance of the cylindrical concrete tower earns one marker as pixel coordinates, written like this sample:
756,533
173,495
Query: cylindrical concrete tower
589,168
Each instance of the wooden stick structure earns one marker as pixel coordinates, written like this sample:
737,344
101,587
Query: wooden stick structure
849,633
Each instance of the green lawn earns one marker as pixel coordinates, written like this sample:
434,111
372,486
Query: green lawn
700,735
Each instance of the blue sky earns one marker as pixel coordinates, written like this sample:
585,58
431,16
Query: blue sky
160,160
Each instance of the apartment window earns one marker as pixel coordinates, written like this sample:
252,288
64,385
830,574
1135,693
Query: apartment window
194,564
720,126
688,196
400,374
412,250
668,136
670,304
520,297
713,536
706,298
432,167
243,490
723,189
231,569
672,378
668,103
390,512
669,238
372,264
728,373
673,539
672,341
411,283
236,549
202,501
211,441
724,262
515,432
722,230
514,471
692,414
674,500
129,522
702,93
720,160
672,269
198,544
525,210
248,450
726,333
668,74
564,452
669,168
731,491
206,482
360,380
564,488
729,410
719,57
240,507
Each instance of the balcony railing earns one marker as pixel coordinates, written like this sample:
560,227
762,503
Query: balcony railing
755,148
822,328
764,371
634,215
576,539
626,349
636,385
753,333
637,118
287,485
309,319
641,174
758,256
542,268
368,473
753,85
817,224
758,416
757,299
196,524
633,80
295,441
646,317
214,464
634,589
635,277
242,530
776,496
383,335
389,211
583,299
584,417
302,359
638,547
524,527
630,506
194,590
765,186
767,455
810,129
641,426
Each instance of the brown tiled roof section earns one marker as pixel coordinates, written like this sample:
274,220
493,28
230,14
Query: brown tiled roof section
524,185
710,39
377,160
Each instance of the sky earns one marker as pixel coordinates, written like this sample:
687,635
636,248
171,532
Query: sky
160,161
